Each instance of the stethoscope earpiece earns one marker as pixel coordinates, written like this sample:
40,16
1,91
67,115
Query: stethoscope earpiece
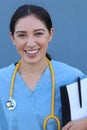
10,104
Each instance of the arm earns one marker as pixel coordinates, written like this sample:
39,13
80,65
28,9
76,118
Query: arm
76,125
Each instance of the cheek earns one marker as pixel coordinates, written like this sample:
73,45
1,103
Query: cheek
44,45
19,44
43,41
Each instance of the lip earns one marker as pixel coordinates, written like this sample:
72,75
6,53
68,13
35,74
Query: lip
32,53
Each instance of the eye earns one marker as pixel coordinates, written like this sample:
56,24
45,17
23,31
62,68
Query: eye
38,34
21,36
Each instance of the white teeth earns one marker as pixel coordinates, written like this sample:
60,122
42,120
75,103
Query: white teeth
32,52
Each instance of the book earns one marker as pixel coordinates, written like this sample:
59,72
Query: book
74,100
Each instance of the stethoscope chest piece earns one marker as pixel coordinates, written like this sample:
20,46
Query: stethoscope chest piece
11,104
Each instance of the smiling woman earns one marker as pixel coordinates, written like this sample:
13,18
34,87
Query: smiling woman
36,79
31,34
31,39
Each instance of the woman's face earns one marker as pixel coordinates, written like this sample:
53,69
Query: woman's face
31,38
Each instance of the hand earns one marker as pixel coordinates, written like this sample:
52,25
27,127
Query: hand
76,125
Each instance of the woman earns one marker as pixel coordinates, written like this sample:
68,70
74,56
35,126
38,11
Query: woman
31,31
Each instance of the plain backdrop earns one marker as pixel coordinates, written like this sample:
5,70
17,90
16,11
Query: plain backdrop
69,43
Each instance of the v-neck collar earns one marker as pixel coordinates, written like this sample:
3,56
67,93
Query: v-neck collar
41,83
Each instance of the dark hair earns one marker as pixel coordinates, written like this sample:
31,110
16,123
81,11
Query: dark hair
26,10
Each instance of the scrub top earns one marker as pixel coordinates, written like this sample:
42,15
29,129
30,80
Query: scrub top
3,121
32,107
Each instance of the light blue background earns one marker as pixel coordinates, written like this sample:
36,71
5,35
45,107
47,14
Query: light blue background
69,18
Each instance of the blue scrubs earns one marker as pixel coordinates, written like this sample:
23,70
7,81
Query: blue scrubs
32,107
3,121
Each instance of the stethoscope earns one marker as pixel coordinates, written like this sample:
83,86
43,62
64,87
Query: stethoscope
11,104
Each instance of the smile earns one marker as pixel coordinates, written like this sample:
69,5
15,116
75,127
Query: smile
31,51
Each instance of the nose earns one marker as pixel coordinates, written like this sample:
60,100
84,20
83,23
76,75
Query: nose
30,41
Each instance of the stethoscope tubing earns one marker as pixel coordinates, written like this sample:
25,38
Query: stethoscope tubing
11,104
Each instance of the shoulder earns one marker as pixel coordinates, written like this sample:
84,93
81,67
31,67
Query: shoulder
7,71
66,73
63,67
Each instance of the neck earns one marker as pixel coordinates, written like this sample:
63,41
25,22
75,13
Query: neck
37,68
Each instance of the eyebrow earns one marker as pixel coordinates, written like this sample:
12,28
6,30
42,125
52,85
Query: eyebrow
20,31
41,29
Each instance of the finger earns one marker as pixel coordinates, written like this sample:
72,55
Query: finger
67,126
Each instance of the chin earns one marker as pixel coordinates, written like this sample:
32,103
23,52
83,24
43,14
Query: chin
32,61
